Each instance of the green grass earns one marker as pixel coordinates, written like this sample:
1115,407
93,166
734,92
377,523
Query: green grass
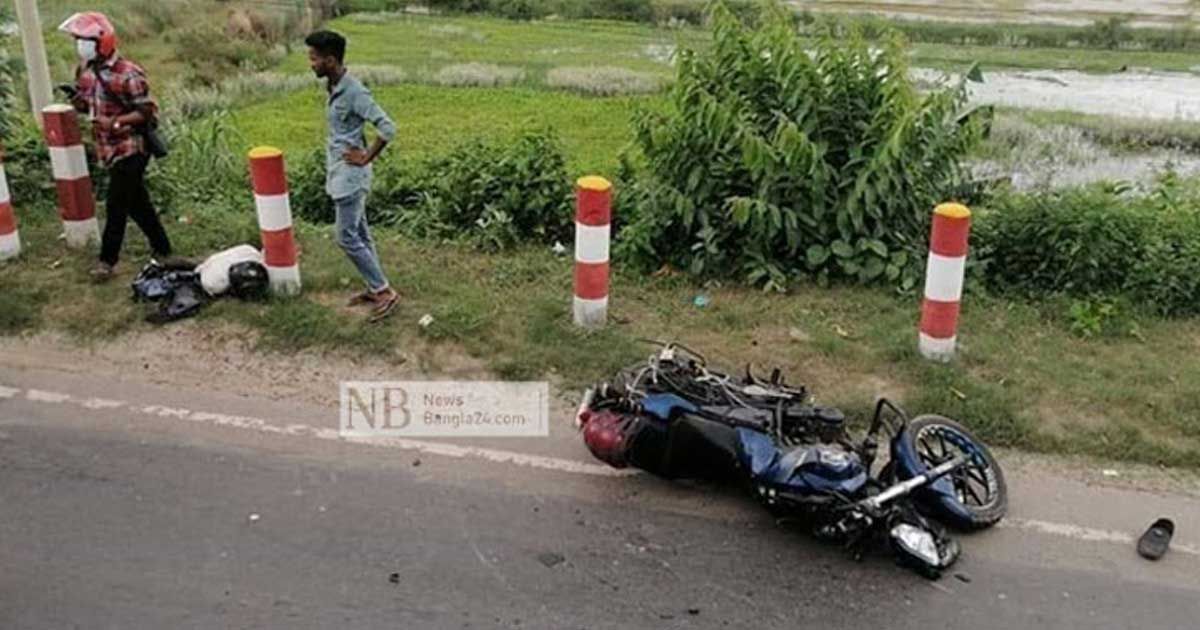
434,119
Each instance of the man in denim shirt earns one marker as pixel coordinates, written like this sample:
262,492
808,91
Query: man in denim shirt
348,164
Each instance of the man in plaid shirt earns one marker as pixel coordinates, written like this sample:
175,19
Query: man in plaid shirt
115,94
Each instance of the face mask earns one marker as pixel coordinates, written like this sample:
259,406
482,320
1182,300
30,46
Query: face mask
86,49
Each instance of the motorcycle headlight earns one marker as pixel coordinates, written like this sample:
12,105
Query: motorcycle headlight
917,542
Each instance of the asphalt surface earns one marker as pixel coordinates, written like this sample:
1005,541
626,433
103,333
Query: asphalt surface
113,517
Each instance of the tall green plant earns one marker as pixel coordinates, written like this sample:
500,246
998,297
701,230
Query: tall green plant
779,158
10,70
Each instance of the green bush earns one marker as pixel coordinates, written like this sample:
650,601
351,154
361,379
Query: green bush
212,56
27,163
497,195
1093,242
778,158
10,75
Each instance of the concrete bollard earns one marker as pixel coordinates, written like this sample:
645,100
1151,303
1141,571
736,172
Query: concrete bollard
76,205
275,219
593,218
10,239
944,281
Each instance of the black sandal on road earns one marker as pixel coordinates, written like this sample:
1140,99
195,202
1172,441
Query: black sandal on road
1153,544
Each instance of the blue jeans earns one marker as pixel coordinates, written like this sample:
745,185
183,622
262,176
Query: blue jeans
354,237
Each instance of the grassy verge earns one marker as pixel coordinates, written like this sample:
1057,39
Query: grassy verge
1023,379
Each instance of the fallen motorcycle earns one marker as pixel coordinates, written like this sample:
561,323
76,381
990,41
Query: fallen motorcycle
676,418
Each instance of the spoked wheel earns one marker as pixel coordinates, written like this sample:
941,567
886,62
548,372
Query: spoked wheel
980,496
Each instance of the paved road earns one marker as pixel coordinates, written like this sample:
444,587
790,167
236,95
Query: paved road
130,505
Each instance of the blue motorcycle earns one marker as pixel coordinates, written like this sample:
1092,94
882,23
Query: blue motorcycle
676,418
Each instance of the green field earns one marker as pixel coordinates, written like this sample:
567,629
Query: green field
422,44
433,119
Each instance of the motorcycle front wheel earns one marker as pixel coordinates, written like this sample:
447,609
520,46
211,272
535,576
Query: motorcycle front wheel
973,497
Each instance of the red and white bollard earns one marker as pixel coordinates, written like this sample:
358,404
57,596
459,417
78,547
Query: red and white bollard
275,219
944,281
593,218
76,206
10,240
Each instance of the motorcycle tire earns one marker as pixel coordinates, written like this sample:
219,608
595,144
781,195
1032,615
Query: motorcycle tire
980,495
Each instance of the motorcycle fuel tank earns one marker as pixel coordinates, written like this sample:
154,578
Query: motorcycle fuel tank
804,470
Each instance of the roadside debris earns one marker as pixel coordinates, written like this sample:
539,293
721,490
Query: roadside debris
1154,543
394,578
798,335
1109,472
254,518
963,577
701,301
559,249
425,321
550,559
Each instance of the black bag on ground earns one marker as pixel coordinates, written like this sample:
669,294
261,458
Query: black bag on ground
186,299
178,292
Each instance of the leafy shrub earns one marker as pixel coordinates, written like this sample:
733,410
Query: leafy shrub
27,163
603,80
1100,317
774,160
1094,242
10,73
497,195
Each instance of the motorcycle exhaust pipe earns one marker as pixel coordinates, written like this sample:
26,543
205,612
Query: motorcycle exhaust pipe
905,487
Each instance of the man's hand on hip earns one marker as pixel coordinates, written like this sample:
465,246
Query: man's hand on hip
356,157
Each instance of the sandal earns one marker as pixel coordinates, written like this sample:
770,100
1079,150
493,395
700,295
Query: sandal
102,272
365,297
1153,544
385,308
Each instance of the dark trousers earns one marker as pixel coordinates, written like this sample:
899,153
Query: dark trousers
128,197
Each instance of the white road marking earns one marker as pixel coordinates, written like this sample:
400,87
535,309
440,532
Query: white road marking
1065,530
303,430
38,395
1082,533
102,403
